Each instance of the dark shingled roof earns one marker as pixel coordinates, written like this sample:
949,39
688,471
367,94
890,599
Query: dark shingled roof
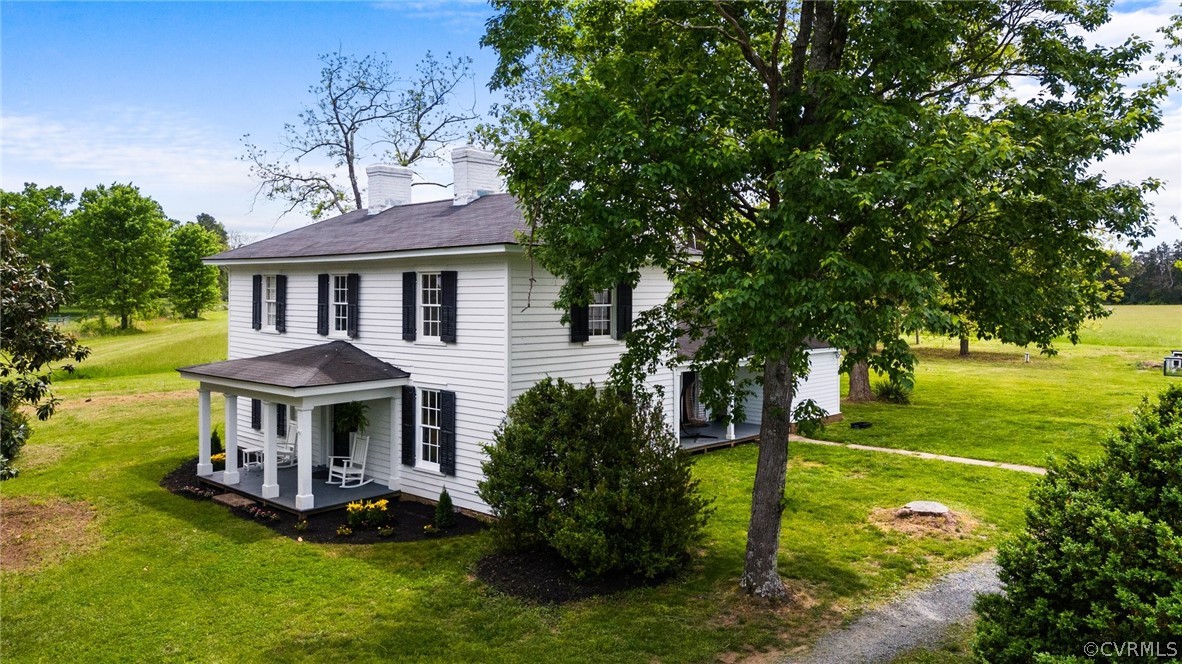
334,363
491,219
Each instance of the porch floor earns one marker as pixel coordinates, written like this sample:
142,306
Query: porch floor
713,435
325,496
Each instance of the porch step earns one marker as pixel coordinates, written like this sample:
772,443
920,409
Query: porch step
233,500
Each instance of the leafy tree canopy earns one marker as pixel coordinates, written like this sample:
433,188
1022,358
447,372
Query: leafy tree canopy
119,250
823,169
193,285
209,223
37,217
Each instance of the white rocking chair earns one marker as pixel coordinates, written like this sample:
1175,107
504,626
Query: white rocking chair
285,450
349,471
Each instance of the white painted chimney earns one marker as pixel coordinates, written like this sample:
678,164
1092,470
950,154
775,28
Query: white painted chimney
389,186
476,173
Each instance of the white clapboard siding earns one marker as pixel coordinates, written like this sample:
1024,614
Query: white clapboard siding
541,343
473,367
823,386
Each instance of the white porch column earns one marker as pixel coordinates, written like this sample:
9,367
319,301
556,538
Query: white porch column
304,499
395,435
204,466
730,422
231,474
270,474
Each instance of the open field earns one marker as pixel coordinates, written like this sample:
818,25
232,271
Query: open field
165,578
992,405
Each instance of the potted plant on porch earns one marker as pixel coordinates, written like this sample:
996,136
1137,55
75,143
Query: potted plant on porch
351,417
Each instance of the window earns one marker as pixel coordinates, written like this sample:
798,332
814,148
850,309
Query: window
340,303
432,299
429,424
271,302
599,315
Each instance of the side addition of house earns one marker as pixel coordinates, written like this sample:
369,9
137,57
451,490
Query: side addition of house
425,314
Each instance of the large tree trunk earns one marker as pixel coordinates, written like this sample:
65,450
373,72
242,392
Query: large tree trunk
761,577
124,321
964,346
860,382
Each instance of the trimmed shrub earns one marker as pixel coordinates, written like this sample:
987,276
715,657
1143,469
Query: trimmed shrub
445,512
598,477
1100,558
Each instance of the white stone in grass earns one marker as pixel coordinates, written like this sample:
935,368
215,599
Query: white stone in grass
926,508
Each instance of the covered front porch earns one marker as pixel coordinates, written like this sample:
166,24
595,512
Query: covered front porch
307,383
327,496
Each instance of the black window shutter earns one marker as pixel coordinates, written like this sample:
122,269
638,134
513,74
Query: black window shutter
322,305
281,303
281,419
256,302
408,425
447,331
353,296
256,414
579,318
623,310
447,433
410,284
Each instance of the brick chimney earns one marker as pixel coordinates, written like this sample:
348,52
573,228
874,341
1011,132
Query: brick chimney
476,173
389,186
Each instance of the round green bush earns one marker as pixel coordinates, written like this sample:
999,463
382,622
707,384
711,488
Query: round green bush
1100,558
597,476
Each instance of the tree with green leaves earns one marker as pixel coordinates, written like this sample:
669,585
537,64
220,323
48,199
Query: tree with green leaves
211,224
362,108
193,285
31,348
823,169
119,251
37,217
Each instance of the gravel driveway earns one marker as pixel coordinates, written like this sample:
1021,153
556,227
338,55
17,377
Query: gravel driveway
916,620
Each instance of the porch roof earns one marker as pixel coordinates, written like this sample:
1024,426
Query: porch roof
305,377
333,363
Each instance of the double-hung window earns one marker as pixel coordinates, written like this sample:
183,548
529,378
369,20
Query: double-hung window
430,423
270,302
340,303
431,297
599,315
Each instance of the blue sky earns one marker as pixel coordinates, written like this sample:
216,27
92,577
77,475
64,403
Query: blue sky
160,94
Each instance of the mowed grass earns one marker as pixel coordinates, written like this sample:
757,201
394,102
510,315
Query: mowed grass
993,405
173,579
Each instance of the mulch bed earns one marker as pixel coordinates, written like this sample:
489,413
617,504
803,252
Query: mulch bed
407,518
542,576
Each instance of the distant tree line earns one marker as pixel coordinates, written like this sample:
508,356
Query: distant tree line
1153,276
113,251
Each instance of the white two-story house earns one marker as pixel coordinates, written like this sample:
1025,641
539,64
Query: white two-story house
432,316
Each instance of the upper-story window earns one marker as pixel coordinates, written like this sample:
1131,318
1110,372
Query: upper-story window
599,314
340,303
270,301
431,297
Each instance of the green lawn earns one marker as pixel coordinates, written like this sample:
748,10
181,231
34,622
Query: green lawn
173,579
995,406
